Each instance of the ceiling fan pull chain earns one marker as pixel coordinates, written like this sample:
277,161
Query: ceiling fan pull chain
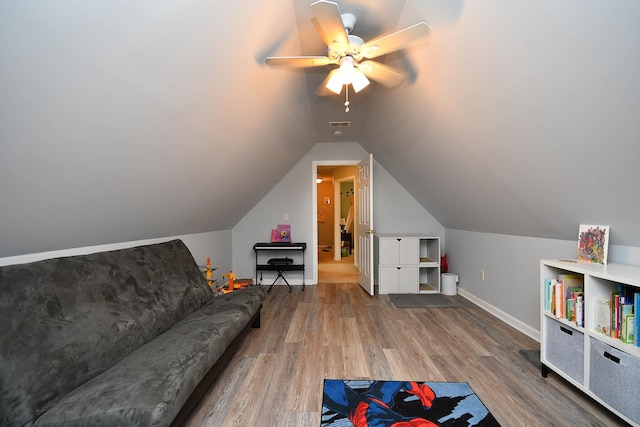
346,102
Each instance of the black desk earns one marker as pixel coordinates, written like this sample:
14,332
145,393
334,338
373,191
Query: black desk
282,262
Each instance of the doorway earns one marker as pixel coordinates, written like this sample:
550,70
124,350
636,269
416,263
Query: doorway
336,211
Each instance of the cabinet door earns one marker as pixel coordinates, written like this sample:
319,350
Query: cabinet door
408,280
388,251
388,280
398,280
408,251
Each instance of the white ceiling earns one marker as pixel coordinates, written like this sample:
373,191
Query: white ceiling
124,120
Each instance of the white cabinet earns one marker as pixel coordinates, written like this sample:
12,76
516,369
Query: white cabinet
408,264
573,346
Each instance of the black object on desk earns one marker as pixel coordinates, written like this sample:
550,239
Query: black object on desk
281,264
347,240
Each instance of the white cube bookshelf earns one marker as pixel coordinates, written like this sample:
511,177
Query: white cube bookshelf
605,368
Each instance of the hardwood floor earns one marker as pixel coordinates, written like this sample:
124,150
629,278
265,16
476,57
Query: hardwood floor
339,331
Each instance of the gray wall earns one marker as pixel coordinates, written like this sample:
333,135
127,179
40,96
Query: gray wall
394,209
511,264
215,245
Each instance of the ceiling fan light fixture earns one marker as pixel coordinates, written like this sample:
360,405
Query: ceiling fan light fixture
359,82
347,70
335,83
347,74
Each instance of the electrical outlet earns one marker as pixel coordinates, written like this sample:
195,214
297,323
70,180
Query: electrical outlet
286,216
481,274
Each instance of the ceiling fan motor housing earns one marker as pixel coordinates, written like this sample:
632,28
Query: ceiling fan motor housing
337,52
349,21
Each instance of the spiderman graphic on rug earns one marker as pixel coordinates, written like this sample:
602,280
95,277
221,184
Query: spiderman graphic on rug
368,403
374,406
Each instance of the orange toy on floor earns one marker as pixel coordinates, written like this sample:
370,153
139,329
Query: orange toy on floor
231,278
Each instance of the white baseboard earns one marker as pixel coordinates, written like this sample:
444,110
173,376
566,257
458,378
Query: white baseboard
507,318
293,282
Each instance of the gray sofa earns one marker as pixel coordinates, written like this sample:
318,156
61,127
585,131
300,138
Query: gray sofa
119,338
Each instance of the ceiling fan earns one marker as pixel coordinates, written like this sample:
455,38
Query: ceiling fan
351,53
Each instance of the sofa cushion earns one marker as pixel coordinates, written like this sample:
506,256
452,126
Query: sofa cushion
149,386
67,320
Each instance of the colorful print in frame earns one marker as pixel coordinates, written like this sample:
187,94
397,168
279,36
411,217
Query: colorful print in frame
593,243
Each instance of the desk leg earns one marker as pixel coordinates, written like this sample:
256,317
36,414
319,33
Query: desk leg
303,249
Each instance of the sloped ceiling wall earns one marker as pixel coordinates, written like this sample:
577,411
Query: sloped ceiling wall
527,120
128,120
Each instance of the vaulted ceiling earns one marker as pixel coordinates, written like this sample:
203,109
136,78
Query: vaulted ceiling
126,120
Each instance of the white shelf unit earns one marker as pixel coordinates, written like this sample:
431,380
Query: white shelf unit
605,368
408,264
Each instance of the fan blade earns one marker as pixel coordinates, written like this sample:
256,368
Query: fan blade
328,23
322,89
299,61
381,73
396,41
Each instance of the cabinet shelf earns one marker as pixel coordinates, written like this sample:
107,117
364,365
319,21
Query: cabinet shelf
630,349
602,366
565,321
428,288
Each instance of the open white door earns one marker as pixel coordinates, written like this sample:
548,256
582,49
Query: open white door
365,224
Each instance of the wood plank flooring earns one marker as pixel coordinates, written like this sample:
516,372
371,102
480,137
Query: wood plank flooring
339,331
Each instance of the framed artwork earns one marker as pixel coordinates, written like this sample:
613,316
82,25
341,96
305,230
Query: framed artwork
593,243
282,233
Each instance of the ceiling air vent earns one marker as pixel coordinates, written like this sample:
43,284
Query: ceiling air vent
345,124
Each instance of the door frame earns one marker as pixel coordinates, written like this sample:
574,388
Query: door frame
314,207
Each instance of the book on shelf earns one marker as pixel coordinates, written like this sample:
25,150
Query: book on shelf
559,299
573,285
551,296
628,334
603,315
548,290
574,296
622,304
580,310
626,310
614,301
572,280
564,298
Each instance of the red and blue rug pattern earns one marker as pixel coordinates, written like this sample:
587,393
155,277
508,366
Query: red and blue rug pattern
366,403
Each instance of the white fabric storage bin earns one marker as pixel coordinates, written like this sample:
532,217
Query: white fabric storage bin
565,348
615,378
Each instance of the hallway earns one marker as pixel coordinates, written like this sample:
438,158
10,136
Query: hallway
331,271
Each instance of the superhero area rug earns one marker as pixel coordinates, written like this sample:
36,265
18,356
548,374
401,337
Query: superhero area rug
365,403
